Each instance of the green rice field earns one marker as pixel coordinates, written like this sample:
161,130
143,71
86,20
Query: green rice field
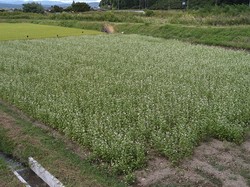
20,31
124,96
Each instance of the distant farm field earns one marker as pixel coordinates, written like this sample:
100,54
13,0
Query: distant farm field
124,96
18,31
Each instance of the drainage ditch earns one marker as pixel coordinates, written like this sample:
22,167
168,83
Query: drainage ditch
24,174
31,178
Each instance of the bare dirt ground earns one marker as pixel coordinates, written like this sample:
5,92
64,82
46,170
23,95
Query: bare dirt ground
214,163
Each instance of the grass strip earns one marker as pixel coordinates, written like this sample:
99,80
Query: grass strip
7,178
234,36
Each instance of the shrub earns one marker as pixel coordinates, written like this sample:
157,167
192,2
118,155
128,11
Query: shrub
149,13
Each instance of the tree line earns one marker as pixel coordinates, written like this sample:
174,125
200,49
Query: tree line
167,4
38,8
134,4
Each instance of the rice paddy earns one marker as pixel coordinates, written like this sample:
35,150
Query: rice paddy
21,31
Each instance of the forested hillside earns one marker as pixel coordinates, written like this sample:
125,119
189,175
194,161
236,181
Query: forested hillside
166,4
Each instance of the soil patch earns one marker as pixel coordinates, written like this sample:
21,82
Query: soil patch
214,163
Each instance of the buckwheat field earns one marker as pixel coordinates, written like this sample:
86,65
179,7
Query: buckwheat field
122,96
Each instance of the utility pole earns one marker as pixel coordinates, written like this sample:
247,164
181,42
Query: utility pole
109,4
184,5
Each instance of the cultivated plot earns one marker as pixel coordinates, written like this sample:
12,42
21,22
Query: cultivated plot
123,96
20,31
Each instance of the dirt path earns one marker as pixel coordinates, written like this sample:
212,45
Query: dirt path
214,163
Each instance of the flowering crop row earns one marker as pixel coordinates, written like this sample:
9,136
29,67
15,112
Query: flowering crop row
121,96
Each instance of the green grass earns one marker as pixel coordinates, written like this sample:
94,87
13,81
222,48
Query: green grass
17,31
228,15
6,145
7,178
220,26
228,36
123,95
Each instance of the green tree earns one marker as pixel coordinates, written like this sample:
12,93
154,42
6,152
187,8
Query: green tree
68,9
33,7
233,1
56,8
80,7
166,4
